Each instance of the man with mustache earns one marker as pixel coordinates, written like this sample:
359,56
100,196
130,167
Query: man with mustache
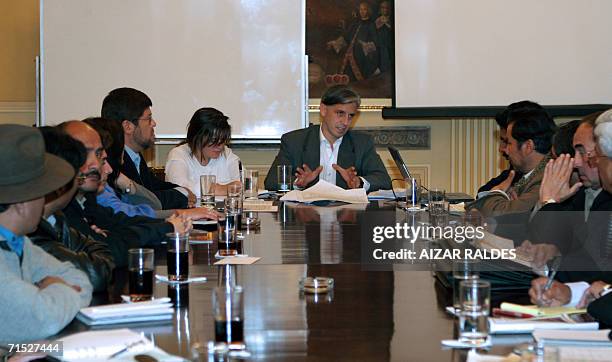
331,151
119,231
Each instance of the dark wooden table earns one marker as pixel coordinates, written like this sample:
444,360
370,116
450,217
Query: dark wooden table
373,315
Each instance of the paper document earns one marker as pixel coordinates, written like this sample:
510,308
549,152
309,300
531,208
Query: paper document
518,326
259,206
324,191
387,194
120,344
583,354
536,311
599,338
158,309
238,260
491,241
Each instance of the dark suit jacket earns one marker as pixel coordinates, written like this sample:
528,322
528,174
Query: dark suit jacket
165,192
303,147
582,244
124,232
601,309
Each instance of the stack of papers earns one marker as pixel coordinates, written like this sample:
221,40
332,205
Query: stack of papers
387,194
155,310
259,206
599,338
324,191
518,326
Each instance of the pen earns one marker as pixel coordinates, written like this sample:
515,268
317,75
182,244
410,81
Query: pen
552,272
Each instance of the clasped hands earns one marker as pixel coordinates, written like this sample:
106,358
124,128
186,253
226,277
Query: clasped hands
304,175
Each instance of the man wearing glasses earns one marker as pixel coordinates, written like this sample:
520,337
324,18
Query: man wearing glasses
570,221
132,108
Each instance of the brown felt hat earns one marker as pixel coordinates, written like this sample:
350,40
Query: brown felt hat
27,172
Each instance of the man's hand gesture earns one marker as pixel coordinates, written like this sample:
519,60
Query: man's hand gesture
349,175
304,175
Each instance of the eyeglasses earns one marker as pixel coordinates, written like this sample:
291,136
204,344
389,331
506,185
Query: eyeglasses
147,119
590,157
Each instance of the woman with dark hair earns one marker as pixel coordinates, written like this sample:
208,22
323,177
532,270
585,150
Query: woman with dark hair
204,153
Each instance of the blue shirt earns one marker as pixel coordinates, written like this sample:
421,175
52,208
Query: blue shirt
135,156
14,242
110,199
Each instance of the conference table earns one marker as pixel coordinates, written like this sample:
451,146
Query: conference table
375,312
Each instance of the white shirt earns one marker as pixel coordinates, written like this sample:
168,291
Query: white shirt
183,169
328,155
577,290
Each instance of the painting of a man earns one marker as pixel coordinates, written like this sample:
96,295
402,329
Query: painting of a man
348,42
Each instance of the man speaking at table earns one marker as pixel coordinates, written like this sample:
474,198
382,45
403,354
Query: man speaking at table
331,151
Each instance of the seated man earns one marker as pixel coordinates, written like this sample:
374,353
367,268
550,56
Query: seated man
502,121
599,247
567,212
119,231
39,295
530,133
331,151
54,235
132,109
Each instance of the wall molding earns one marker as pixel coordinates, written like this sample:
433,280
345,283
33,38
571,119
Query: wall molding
18,112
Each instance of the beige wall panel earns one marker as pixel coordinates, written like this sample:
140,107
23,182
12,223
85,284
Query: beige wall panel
19,41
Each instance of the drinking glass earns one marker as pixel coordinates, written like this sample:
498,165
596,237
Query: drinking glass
284,177
178,256
229,226
207,190
228,310
234,190
251,179
463,270
413,193
141,264
438,208
475,296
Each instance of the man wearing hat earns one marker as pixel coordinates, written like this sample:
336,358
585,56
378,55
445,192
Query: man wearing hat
39,295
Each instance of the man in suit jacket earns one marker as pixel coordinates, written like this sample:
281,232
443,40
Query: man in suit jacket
331,151
132,108
530,132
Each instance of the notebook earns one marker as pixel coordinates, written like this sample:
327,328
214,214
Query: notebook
121,344
599,338
565,321
155,310
536,311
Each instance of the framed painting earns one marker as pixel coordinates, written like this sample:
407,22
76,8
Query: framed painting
351,42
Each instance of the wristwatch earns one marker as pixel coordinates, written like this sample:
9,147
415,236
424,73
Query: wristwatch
129,188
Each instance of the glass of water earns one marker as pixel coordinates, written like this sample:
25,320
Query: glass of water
251,178
475,296
438,207
207,190
463,270
284,175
